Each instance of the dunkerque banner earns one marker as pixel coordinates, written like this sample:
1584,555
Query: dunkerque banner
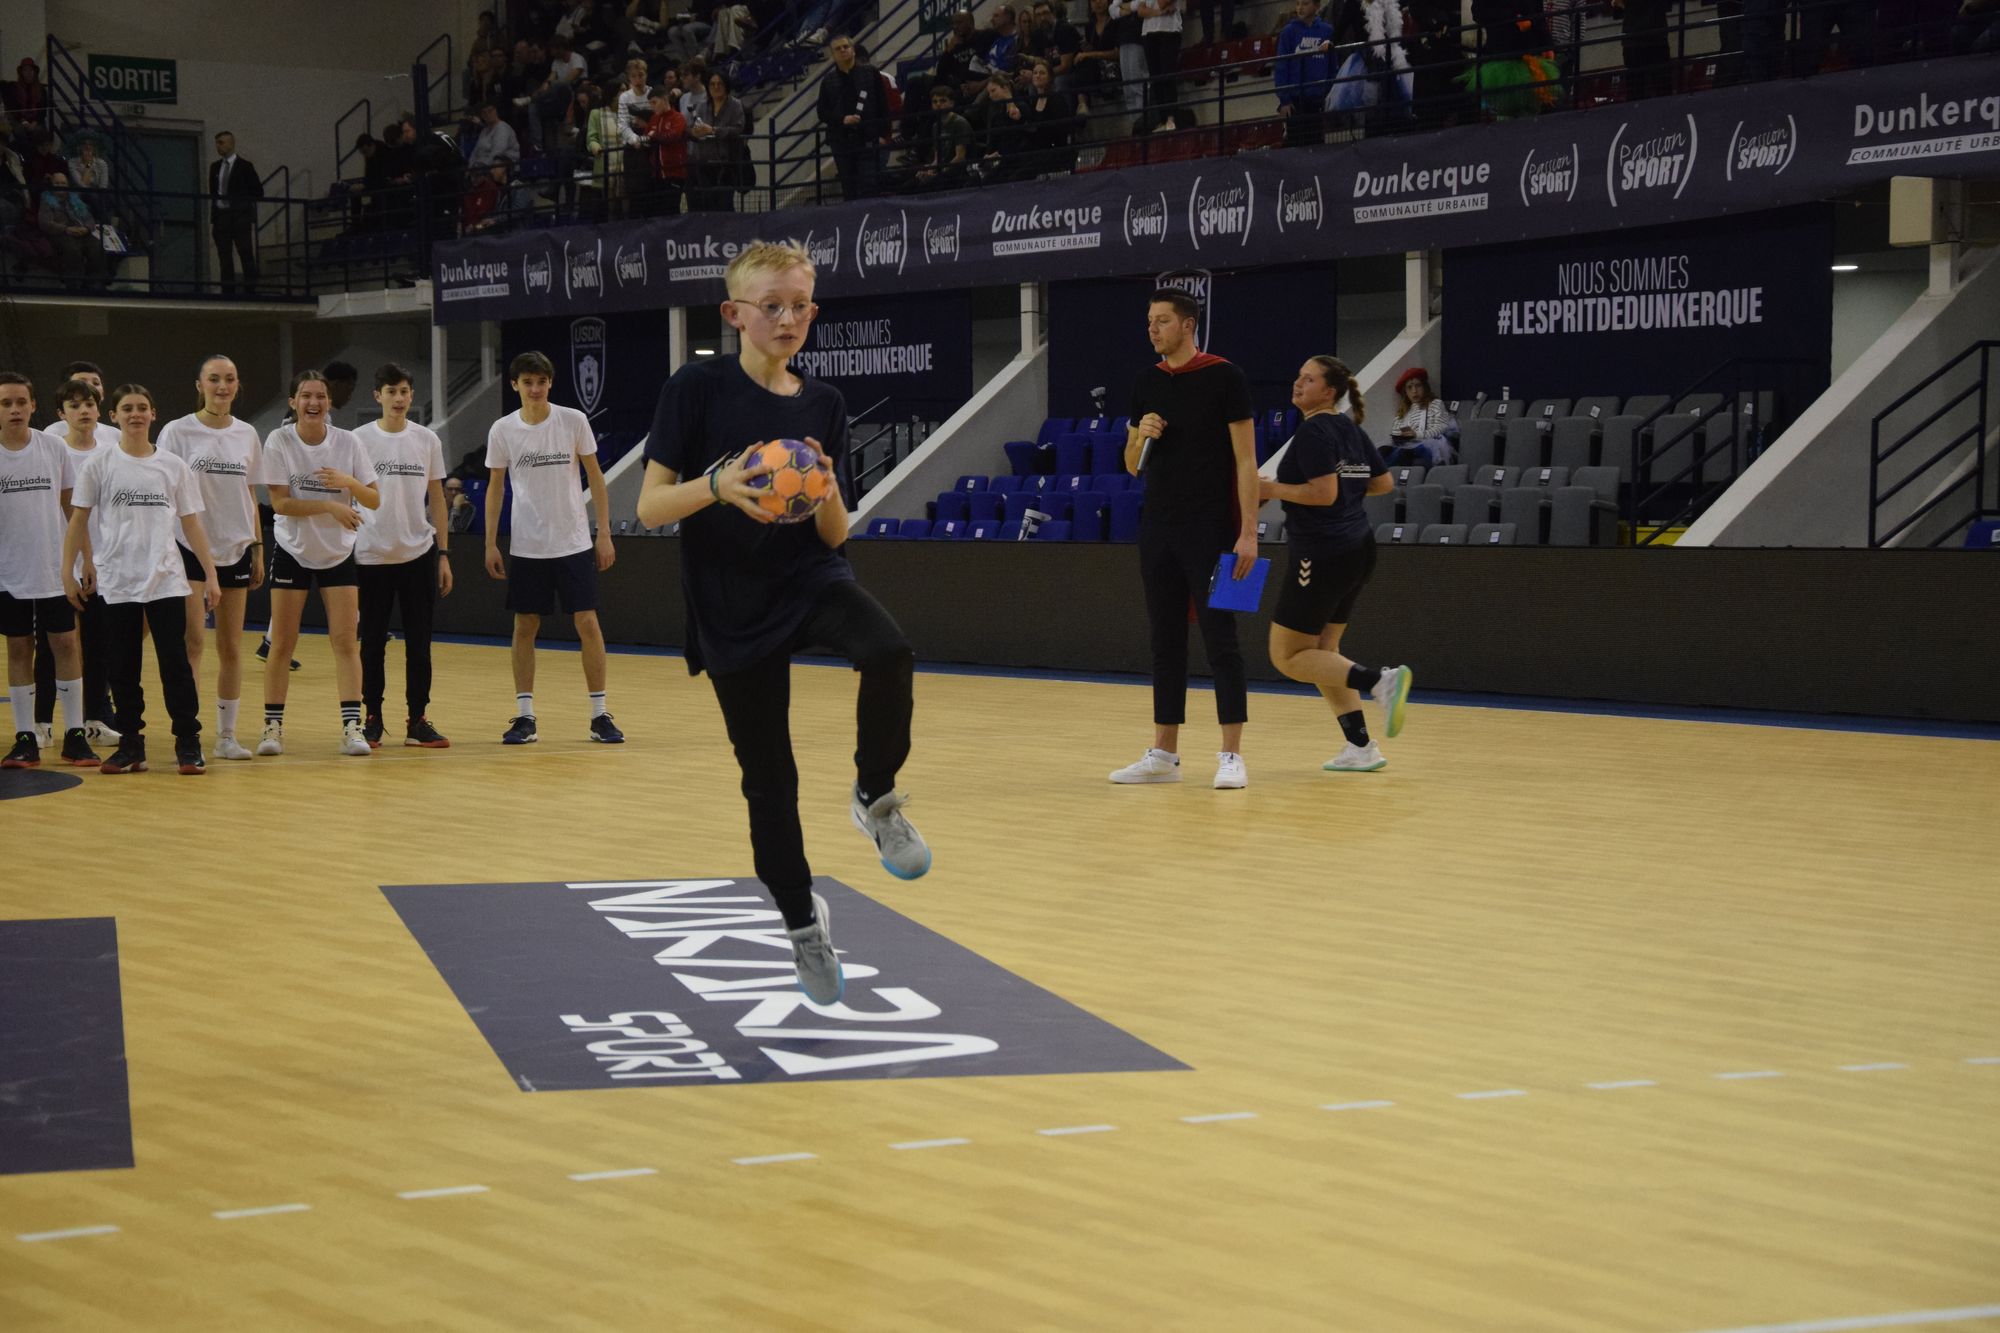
1728,151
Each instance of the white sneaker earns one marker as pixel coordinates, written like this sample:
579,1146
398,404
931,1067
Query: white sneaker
274,739
100,733
1230,775
45,735
353,741
1357,759
820,975
1391,693
1153,766
228,747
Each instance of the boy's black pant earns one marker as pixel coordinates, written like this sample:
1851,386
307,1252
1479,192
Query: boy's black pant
1175,564
414,584
96,701
126,627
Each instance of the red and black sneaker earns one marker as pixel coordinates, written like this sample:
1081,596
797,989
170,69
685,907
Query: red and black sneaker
421,733
187,756
27,752
130,757
371,731
76,749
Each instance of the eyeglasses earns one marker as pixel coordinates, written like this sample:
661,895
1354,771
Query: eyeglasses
775,311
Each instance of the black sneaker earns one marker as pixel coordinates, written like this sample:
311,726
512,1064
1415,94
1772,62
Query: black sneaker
371,731
521,731
421,733
187,756
27,752
264,654
76,749
129,758
602,728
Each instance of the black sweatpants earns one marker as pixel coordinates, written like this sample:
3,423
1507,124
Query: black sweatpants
414,584
756,707
1175,564
96,699
125,629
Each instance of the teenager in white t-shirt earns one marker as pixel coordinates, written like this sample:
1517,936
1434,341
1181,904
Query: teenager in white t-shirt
401,554
36,473
223,452
129,505
317,474
107,432
553,558
78,431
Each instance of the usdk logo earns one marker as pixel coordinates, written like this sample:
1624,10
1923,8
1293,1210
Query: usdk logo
1146,219
1659,165
1550,177
941,240
584,270
1198,283
537,274
1223,212
1764,148
883,246
1301,206
629,266
588,348
823,251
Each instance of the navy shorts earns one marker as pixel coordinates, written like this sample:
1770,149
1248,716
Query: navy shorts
229,576
291,576
1322,584
535,587
20,617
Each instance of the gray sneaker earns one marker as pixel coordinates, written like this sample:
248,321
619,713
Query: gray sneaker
903,850
820,976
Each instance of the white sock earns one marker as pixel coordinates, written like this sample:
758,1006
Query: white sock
524,705
225,716
597,703
23,699
68,692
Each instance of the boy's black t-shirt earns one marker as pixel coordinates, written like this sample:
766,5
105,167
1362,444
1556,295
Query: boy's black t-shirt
1330,442
1191,468
749,585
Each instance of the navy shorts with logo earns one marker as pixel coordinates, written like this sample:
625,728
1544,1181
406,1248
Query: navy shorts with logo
534,587
292,576
20,617
1322,584
229,576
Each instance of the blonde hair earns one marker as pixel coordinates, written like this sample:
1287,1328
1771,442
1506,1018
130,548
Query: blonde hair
1342,380
765,257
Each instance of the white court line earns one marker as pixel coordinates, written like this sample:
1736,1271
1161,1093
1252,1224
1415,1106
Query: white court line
1903,1319
1739,1075
1077,1129
1984,1060
775,1157
1218,1117
1869,1069
1489,1095
1353,1106
1615,1084
32,1237
444,1193
628,1172
929,1143
232,1214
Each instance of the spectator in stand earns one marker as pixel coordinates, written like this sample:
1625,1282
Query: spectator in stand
234,188
852,112
1437,57
339,378
1303,73
1049,38
486,78
1854,18
1048,115
950,143
437,171
998,134
716,133
1094,75
604,140
665,139
90,178
27,96
498,200
1160,35
634,96
960,64
43,161
460,513
13,184
1001,43
486,36
1211,31
694,87
730,28
1515,78
65,219
585,29
1423,430
550,104
496,140
1648,68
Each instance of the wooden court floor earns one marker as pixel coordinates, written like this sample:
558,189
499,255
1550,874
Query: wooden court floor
1731,993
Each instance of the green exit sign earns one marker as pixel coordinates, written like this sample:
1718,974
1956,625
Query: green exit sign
134,79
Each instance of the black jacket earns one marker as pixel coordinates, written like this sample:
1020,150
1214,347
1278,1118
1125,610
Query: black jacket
244,182
858,92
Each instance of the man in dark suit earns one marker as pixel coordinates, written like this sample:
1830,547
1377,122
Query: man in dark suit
233,191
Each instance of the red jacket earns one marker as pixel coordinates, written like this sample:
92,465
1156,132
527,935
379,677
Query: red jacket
668,136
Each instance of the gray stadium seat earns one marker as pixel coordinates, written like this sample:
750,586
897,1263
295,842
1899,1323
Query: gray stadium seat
1492,408
1606,407
1539,409
1721,464
1573,441
1674,437
1473,504
1406,475
1521,509
1423,505
1444,534
1524,441
1703,403
1479,442
1396,534
1381,508
1577,517
1450,476
1645,404
1543,478
1497,476
1619,433
1491,534
1602,480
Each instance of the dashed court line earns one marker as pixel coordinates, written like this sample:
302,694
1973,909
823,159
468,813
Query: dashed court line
775,1158
916,1144
1218,1117
73,1233
1076,1129
447,1192
1355,1106
1740,1075
1899,1319
625,1174
1870,1069
237,1214
1616,1084
1490,1093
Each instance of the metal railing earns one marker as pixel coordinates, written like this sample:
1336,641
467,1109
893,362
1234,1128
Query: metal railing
1979,392
424,85
343,150
72,102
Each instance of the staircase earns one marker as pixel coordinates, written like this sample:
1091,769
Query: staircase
1930,478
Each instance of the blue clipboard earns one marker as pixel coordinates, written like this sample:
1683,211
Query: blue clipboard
1228,593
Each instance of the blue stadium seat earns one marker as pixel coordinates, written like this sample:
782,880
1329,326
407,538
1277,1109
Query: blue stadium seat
1040,485
880,527
1021,456
1054,428
1110,483
1125,516
1056,504
1093,425
1983,536
954,505
985,505
984,528
970,484
1010,532
1072,454
1071,485
1107,452
1056,530
950,530
1008,485
1121,424
1087,515
1016,505
914,528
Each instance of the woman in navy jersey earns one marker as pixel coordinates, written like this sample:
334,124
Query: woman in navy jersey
1322,477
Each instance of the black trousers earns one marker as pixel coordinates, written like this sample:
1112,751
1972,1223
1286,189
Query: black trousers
90,624
1163,63
1175,564
414,585
235,232
756,707
858,167
126,627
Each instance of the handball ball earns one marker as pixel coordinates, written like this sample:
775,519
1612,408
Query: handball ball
796,486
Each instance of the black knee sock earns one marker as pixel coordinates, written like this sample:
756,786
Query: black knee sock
274,713
1354,727
350,711
1362,679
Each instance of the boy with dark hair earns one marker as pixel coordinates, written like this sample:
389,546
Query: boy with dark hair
554,562
36,474
400,556
78,432
89,372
